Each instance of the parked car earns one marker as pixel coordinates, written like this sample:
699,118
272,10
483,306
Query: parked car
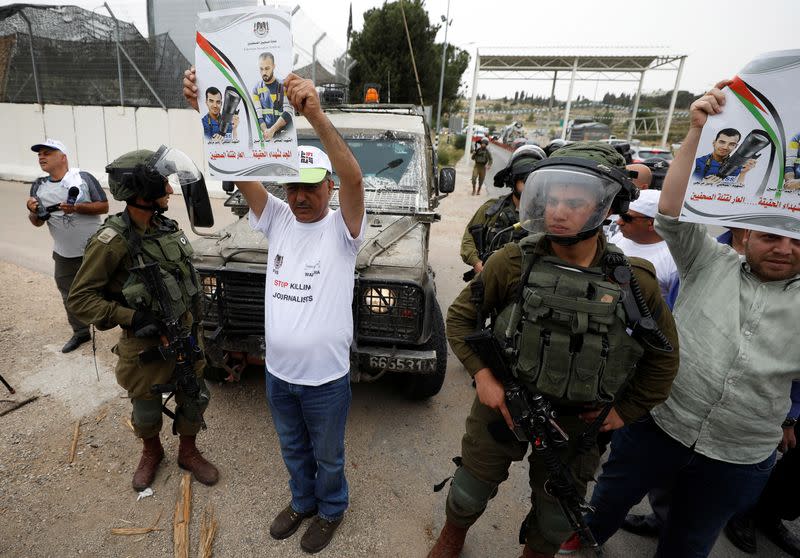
640,153
398,324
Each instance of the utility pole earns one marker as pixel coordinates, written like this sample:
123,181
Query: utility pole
441,77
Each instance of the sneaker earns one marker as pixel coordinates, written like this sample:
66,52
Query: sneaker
571,545
287,522
643,525
741,531
75,341
319,534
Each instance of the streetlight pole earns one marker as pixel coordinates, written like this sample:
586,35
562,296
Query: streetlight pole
441,77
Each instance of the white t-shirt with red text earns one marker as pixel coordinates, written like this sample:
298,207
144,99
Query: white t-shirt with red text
308,318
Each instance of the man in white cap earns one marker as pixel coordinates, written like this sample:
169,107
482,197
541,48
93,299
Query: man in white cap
70,201
638,237
309,322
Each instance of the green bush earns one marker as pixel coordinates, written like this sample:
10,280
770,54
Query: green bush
460,142
448,155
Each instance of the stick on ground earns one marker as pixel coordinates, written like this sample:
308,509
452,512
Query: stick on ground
180,522
74,445
138,530
208,530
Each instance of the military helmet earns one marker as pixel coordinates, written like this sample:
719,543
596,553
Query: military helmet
484,141
519,165
145,173
123,189
569,195
553,145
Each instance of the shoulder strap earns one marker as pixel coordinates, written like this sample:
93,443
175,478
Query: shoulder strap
528,248
36,184
496,206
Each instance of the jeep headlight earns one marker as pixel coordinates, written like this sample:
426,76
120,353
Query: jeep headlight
380,300
209,283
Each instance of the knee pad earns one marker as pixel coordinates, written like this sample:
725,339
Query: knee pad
468,495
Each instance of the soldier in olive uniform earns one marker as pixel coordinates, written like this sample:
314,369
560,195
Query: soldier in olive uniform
495,217
107,293
483,161
569,334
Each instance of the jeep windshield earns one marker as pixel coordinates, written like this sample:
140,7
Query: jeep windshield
385,163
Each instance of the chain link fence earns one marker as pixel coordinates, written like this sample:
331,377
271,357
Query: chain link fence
71,56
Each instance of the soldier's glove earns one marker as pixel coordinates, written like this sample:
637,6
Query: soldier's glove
144,324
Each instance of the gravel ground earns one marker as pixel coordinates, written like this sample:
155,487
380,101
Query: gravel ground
396,449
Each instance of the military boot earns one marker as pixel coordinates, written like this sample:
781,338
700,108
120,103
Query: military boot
152,454
450,541
190,458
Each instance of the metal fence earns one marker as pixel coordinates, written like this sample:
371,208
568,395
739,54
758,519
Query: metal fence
68,55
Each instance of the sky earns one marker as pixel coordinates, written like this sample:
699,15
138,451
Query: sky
718,39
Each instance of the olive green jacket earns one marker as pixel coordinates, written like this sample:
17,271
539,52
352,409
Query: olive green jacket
501,275
469,252
96,293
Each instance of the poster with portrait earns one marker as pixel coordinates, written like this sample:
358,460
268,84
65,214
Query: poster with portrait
747,167
242,56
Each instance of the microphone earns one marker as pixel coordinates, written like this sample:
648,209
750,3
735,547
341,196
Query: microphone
72,195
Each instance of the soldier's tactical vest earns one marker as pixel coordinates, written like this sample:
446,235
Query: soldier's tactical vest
481,156
570,336
169,247
499,216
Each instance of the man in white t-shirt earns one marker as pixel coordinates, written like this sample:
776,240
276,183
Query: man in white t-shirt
308,321
70,201
637,237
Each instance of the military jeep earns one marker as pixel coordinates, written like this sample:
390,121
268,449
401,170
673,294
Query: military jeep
398,325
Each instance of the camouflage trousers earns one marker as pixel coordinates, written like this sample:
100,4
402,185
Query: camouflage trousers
478,173
137,378
485,464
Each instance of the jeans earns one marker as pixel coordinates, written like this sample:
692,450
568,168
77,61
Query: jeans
706,492
310,422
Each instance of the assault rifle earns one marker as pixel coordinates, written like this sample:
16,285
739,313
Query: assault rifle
177,343
535,422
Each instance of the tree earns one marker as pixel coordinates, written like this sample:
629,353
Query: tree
381,50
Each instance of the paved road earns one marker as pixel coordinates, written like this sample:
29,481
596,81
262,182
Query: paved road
397,449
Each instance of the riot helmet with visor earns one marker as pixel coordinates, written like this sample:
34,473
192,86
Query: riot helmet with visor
569,195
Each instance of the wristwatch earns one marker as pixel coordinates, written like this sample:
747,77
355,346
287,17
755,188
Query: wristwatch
789,422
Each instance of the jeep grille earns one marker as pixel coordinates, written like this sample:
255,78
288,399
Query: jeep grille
240,302
389,312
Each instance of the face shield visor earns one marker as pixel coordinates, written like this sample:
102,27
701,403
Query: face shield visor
181,172
176,167
565,201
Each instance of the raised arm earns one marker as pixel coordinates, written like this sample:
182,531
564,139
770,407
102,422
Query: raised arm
680,170
303,96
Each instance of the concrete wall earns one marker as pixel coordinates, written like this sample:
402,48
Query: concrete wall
95,136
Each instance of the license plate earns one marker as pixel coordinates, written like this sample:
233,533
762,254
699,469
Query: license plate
401,364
